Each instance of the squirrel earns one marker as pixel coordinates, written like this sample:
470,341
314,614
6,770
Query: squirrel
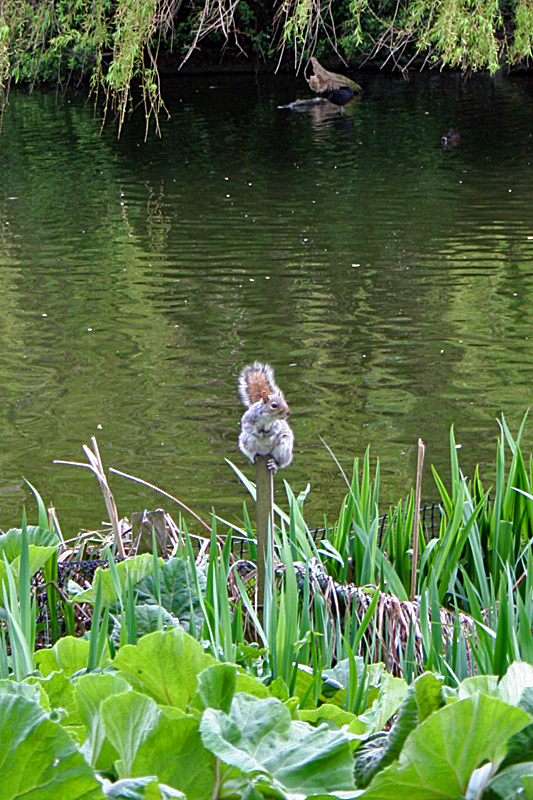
264,429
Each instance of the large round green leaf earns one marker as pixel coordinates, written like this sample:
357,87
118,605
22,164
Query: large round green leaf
176,590
259,737
38,556
164,666
11,542
439,757
132,570
510,784
69,654
151,743
90,692
38,759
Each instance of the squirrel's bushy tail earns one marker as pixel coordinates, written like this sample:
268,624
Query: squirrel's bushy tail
256,380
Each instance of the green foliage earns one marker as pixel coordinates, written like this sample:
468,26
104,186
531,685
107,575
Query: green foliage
475,590
165,666
521,46
464,34
360,558
90,692
174,735
38,758
177,589
514,783
115,45
215,713
149,742
54,39
258,737
474,579
20,609
441,755
11,542
68,654
423,697
59,734
116,578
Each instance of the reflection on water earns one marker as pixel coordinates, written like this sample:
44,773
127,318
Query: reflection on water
387,278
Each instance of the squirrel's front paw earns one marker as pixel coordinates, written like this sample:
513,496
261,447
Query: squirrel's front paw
272,465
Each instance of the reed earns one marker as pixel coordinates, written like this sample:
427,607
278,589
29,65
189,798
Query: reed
340,599
20,613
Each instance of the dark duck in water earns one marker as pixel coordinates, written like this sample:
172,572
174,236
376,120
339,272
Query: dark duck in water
450,138
341,96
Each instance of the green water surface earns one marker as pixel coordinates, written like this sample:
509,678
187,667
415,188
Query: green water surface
388,279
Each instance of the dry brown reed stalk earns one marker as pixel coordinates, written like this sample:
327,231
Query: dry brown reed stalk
96,466
161,491
174,535
53,524
202,559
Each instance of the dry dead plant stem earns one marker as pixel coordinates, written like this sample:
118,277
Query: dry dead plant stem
161,491
215,15
96,466
317,16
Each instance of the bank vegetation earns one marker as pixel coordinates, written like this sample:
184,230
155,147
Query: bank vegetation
123,652
112,45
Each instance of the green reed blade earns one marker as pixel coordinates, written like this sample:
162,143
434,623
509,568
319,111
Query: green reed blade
445,497
25,583
4,666
502,645
454,461
43,514
92,659
525,636
365,622
250,609
52,596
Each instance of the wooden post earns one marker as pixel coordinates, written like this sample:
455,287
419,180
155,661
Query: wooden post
264,515
416,521
142,525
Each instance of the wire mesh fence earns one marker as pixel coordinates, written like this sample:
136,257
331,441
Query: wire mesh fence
82,572
430,516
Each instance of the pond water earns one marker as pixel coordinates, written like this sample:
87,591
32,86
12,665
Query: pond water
387,278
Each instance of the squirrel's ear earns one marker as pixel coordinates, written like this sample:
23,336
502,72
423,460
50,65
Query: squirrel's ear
264,396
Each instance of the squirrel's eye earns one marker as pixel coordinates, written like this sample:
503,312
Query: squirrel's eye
274,405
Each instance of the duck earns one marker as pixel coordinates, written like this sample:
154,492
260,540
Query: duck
341,96
450,138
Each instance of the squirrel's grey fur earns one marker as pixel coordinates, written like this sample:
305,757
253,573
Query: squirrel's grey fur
264,429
